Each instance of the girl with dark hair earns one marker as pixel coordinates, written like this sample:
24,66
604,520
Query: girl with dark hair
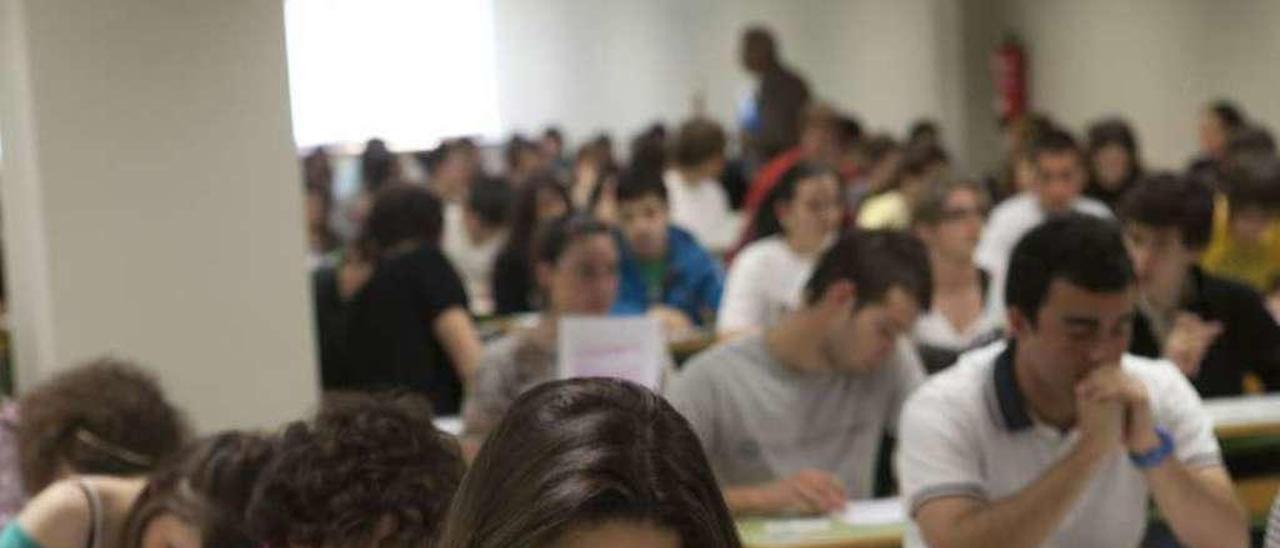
576,266
1114,162
794,224
541,199
590,462
195,500
407,325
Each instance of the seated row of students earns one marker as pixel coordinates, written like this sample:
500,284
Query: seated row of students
576,463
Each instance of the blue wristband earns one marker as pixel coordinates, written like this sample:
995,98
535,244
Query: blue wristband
1154,457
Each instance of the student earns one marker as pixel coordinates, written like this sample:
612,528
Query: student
1114,161
948,219
201,496
194,500
880,158
322,241
365,471
792,419
408,325
1056,437
1218,121
922,166
1059,177
1246,230
576,265
663,269
553,149
818,144
106,417
590,462
780,99
698,202
1215,330
540,200
524,158
801,217
484,233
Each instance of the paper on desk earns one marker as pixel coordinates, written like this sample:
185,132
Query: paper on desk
629,348
862,513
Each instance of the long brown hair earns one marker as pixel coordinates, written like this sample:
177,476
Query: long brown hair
586,451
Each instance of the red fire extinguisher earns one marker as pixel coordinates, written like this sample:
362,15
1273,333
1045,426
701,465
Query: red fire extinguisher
1009,71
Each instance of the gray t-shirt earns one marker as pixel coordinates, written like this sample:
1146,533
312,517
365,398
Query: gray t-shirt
510,366
760,421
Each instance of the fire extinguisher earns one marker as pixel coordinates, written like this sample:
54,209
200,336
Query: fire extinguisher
1009,71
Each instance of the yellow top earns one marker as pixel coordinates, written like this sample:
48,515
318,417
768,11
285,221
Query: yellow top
1254,263
887,211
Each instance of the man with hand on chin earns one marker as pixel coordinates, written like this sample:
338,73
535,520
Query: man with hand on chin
1056,437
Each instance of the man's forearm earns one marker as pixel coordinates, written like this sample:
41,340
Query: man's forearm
1028,517
1199,505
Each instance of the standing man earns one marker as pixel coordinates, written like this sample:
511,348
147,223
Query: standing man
1056,437
780,98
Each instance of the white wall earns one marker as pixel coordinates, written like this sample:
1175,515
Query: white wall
622,64
1155,61
151,200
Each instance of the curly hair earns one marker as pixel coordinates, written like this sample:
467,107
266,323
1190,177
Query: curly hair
367,471
207,486
105,417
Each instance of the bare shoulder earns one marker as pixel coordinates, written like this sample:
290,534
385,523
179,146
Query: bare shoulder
58,516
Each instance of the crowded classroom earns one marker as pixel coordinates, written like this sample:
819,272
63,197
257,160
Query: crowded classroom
568,274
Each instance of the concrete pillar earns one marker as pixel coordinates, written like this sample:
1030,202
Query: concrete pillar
151,200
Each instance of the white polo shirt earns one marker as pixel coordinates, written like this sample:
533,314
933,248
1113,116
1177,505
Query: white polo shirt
968,432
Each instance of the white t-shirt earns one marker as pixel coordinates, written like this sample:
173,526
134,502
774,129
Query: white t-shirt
1008,223
765,282
473,261
702,208
967,432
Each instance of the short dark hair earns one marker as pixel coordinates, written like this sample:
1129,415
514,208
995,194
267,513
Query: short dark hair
1227,112
553,133
1053,140
875,261
766,222
379,167
559,234
401,213
876,147
516,146
919,157
105,417
1086,251
584,451
638,184
208,485
930,207
491,198
1167,200
365,461
1113,131
1253,183
848,131
923,130
697,141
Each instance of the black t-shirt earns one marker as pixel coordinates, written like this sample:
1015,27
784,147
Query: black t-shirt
1250,338
390,340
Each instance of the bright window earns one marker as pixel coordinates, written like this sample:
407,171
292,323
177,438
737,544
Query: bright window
409,71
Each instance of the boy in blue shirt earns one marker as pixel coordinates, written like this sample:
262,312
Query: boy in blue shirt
663,269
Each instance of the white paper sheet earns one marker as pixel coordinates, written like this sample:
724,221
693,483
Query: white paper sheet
626,347
861,513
